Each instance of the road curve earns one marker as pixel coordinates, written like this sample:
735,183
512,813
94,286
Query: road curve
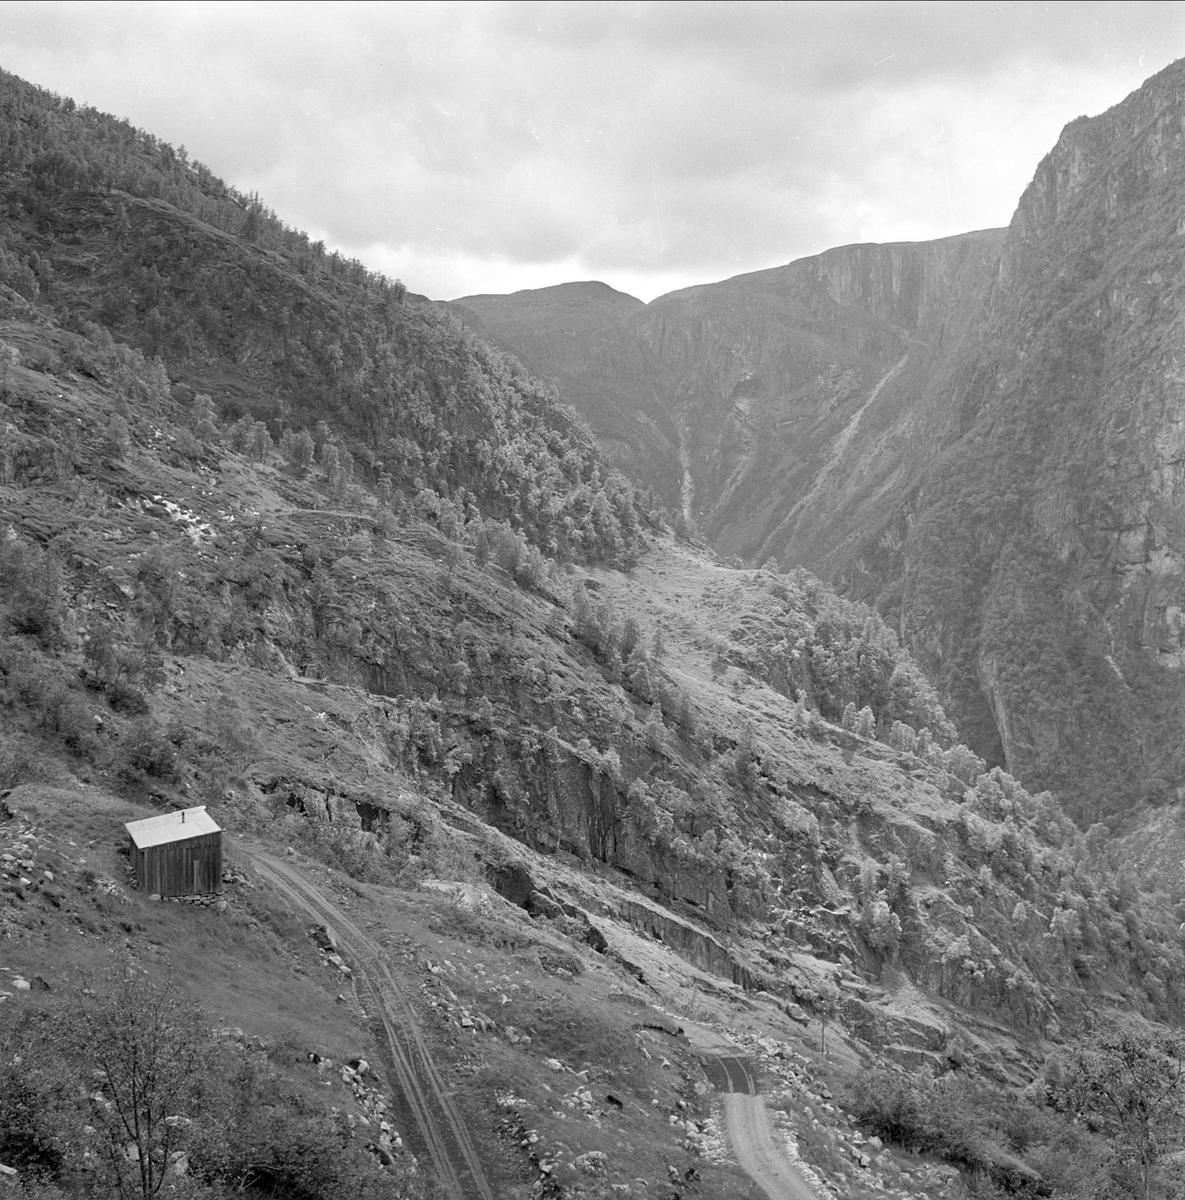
440,1128
760,1157
730,1073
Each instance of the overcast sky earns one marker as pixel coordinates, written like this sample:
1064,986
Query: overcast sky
489,147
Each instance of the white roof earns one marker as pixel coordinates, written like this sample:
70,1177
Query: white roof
171,827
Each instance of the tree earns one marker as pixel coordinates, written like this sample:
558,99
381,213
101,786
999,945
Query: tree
147,1047
866,723
117,438
1129,1081
827,998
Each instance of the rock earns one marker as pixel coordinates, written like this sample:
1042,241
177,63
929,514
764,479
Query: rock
154,898
539,905
594,1162
796,1013
324,936
553,1064
513,882
21,984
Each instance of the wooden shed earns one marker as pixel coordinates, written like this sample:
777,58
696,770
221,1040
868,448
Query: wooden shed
177,853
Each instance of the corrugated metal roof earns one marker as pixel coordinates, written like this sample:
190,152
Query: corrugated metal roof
172,827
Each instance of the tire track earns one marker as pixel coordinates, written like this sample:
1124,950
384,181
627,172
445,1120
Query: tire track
441,1128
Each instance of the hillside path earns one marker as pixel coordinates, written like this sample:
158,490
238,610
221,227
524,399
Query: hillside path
440,1128
760,1157
756,1151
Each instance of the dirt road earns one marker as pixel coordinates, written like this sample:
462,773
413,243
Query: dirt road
761,1158
440,1129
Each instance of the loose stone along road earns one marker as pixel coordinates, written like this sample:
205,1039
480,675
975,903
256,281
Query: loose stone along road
748,1122
440,1128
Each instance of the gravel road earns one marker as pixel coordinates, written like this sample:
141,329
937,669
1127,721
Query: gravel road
440,1129
760,1156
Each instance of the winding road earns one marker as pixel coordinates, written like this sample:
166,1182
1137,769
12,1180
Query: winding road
748,1121
439,1128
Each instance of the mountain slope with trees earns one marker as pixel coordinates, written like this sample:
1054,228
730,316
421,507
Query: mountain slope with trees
581,783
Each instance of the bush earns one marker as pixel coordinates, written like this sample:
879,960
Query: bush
148,753
22,762
31,593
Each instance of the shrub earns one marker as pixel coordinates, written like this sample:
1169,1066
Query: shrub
148,753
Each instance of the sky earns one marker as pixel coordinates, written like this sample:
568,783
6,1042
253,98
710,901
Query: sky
489,147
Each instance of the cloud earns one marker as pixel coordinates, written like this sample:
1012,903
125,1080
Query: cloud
482,146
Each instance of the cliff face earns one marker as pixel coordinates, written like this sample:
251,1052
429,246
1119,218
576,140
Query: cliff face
1044,559
797,389
985,436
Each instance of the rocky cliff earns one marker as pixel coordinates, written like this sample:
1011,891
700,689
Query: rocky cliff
797,389
983,436
1043,563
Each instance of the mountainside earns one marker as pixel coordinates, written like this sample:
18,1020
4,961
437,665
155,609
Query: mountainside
1043,563
546,823
787,396
796,389
571,335
980,436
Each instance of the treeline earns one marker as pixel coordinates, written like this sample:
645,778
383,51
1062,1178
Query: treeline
100,234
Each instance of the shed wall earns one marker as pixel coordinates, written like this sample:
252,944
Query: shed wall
188,868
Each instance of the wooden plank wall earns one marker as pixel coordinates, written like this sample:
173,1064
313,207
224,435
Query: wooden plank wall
188,868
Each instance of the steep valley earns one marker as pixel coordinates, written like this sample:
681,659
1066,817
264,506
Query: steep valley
976,435
534,810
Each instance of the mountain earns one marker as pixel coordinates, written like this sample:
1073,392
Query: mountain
533,813
979,436
571,335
